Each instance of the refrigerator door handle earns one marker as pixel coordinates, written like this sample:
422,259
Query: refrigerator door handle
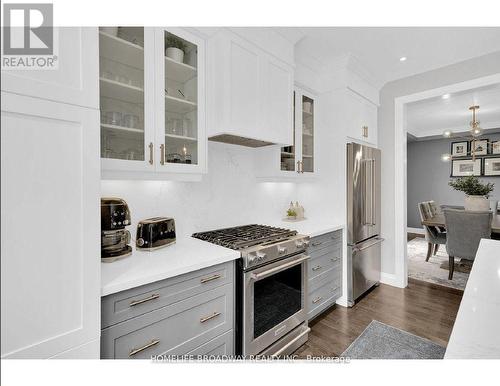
372,210
369,189
378,240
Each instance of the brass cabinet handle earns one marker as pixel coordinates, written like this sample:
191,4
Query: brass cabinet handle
317,268
298,166
149,298
207,318
146,346
334,258
210,278
317,299
151,153
162,154
317,243
365,131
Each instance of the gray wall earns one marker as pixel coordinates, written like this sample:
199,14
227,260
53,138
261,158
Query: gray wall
428,177
459,72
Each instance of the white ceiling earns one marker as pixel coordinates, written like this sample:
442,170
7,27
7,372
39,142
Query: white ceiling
378,49
432,116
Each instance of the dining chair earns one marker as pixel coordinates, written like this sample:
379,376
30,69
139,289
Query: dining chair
433,235
465,229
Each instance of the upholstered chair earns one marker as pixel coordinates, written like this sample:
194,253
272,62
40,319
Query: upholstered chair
464,231
433,235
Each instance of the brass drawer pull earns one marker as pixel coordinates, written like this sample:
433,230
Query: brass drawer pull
317,243
317,299
145,347
317,268
149,298
210,278
334,259
207,318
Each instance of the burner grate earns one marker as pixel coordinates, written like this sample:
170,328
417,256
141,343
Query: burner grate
245,236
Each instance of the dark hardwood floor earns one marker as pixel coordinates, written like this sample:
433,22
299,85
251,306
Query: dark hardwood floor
423,309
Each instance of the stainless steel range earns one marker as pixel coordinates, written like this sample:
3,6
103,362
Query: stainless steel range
271,287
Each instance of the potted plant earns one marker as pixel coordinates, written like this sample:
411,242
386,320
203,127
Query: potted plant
175,49
476,193
291,214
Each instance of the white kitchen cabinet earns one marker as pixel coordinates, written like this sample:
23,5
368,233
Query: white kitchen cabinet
296,161
250,92
152,106
73,82
50,266
360,117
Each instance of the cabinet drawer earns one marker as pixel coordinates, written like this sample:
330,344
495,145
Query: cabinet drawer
325,241
318,265
222,345
323,297
332,276
172,330
124,305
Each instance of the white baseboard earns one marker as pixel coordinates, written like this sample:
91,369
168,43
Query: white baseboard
342,301
418,231
390,279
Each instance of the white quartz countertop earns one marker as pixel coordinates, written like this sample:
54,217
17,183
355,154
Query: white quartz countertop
476,333
142,267
308,227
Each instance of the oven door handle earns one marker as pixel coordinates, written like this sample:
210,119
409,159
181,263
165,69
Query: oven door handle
282,267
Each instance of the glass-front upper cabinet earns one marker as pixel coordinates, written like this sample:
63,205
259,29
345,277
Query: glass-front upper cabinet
180,100
307,106
123,89
152,102
287,155
299,157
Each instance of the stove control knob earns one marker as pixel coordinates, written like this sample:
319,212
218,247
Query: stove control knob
261,256
251,259
299,244
282,250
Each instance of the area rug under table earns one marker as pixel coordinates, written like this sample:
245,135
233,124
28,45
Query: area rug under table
436,269
380,341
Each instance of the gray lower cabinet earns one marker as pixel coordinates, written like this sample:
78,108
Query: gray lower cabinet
324,272
190,314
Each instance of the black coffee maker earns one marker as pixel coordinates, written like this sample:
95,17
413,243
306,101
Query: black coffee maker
115,216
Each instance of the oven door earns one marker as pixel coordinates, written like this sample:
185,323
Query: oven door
274,302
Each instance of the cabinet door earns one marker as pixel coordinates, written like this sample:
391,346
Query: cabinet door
307,133
180,101
360,117
277,105
289,154
50,264
126,80
370,121
75,80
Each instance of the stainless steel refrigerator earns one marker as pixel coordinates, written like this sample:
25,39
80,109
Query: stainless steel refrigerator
363,220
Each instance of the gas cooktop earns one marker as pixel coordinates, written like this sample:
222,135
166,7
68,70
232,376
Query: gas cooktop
245,236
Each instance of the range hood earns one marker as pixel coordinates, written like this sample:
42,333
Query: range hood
237,140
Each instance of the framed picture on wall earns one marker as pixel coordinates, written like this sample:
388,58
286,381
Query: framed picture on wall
459,149
465,167
495,147
479,146
491,166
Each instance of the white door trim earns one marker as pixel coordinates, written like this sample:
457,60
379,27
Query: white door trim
401,267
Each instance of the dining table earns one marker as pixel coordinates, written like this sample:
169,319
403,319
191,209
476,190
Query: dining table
438,221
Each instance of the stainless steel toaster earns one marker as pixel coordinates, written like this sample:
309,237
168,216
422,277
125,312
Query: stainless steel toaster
154,233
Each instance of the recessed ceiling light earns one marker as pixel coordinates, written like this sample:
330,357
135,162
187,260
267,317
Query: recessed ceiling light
403,58
445,96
